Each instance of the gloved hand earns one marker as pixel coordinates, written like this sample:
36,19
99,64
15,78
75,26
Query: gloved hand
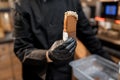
62,50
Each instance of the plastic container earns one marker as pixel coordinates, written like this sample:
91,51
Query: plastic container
95,68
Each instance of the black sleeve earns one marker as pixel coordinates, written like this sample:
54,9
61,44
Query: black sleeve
23,46
87,36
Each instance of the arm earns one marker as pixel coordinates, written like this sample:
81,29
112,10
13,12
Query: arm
87,36
23,46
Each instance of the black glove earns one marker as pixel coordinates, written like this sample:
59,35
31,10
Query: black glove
61,51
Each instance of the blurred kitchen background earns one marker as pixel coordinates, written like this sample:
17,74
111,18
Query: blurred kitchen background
104,17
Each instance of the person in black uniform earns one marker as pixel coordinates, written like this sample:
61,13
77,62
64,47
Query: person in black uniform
38,24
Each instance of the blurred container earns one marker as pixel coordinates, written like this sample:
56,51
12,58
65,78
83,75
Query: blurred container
6,18
2,34
6,21
95,68
4,4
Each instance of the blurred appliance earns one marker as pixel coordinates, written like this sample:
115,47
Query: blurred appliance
107,9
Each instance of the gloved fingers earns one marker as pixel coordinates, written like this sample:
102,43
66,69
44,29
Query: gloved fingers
72,50
57,44
61,47
67,44
69,40
60,52
71,45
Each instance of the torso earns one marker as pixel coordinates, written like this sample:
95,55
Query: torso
47,20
